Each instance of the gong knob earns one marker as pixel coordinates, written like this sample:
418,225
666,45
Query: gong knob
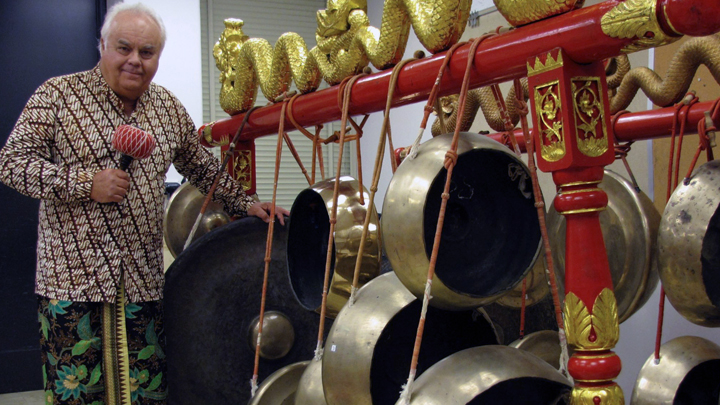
278,335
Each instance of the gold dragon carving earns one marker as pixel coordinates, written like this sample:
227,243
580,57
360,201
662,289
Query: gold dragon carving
346,44
670,89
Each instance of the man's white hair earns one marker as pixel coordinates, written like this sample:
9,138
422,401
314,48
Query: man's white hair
135,8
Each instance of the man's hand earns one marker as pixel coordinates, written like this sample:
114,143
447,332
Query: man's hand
110,185
262,211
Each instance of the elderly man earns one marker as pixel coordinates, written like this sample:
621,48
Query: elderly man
99,276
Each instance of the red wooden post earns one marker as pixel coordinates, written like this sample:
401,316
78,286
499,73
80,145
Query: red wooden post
573,141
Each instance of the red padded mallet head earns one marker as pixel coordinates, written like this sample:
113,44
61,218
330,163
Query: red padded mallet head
133,143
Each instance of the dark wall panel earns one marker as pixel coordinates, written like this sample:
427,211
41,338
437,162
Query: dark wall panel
39,39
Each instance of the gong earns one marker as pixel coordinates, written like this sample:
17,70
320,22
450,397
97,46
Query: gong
369,349
630,229
689,247
308,243
686,374
281,386
181,212
490,235
212,301
492,374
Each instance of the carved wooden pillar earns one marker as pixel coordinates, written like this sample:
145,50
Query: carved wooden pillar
573,141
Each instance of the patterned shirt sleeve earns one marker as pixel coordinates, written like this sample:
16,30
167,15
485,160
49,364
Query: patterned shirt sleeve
27,162
200,167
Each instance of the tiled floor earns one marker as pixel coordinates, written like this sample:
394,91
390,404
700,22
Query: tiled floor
23,398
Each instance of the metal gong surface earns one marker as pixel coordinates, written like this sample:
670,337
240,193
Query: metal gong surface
212,296
491,233
686,374
630,229
308,243
310,389
544,344
689,247
490,375
369,349
536,287
181,212
280,387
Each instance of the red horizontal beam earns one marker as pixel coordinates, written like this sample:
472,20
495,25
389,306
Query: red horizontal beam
642,125
498,59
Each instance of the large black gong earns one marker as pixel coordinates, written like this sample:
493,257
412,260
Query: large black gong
212,298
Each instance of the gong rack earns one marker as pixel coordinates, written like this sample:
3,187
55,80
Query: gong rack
528,51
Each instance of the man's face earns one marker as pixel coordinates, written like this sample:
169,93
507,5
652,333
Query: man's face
131,54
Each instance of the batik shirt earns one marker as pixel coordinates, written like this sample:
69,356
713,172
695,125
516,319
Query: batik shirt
61,140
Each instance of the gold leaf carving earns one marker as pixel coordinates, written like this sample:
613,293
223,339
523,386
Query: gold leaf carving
608,395
635,19
591,131
580,323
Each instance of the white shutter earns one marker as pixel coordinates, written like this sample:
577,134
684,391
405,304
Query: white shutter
269,19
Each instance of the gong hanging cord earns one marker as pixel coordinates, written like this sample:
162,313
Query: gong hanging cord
622,150
681,110
346,89
706,134
450,161
540,206
384,134
432,97
208,197
268,248
316,139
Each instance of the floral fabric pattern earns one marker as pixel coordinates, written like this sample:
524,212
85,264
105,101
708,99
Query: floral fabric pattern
71,340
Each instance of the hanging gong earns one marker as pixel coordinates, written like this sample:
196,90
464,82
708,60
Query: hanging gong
544,344
495,375
491,233
687,374
630,228
181,212
212,301
536,287
689,247
308,242
280,387
310,389
369,349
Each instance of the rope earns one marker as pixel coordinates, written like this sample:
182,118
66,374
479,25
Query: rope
210,193
621,150
450,160
268,248
412,153
681,109
705,142
385,129
346,90
317,149
540,205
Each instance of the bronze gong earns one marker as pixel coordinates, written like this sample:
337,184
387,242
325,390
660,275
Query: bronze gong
689,247
497,375
308,242
491,233
211,302
369,349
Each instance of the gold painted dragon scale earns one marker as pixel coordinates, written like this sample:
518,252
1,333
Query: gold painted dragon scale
346,44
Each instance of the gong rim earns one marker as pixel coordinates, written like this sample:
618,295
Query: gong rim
310,388
630,229
476,263
181,212
680,359
469,374
369,348
308,238
280,387
688,244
